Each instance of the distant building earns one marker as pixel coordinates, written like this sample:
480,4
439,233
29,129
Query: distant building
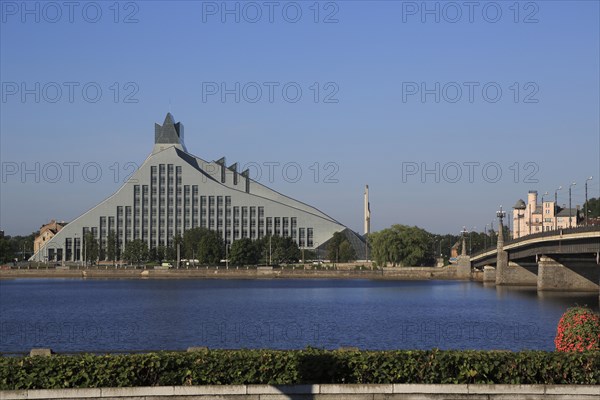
46,233
531,217
455,249
173,191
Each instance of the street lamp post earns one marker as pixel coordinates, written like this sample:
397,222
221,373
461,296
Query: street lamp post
586,201
556,207
471,240
227,255
463,232
500,214
270,251
570,186
485,235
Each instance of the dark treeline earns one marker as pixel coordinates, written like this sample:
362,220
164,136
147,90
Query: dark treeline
16,248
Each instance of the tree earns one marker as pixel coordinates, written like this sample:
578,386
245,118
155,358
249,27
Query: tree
161,253
136,251
278,249
339,249
244,252
178,243
284,250
593,207
170,253
400,245
6,253
91,247
210,248
16,247
111,245
191,240
346,252
153,255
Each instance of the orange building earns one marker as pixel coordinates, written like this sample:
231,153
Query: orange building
47,232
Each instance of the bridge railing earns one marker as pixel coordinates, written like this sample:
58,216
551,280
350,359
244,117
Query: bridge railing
579,229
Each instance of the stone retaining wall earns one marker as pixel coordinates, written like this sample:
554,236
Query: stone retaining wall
399,273
321,392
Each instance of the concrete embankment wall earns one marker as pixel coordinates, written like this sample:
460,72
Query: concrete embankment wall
321,392
404,273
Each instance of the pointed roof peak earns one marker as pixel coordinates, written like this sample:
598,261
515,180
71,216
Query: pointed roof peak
169,119
169,132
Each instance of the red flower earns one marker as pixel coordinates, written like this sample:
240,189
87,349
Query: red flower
578,330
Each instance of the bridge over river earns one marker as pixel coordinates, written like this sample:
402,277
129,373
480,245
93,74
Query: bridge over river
561,260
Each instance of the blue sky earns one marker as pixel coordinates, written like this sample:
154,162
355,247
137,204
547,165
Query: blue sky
361,117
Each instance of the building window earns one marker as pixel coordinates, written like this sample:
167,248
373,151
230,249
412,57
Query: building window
278,226
309,237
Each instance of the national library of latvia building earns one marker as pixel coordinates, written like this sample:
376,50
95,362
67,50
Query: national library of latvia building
174,191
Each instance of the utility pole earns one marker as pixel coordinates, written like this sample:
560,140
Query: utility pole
226,256
585,208
556,207
570,186
367,221
83,246
485,235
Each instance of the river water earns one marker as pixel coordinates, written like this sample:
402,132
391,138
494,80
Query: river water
124,315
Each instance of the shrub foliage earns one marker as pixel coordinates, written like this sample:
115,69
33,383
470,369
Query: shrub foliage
299,366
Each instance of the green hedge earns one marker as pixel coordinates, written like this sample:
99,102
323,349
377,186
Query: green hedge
299,366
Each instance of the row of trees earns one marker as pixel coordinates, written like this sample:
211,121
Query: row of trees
397,245
16,247
208,247
402,245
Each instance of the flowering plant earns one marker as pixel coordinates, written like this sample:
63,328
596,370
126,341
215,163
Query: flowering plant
578,330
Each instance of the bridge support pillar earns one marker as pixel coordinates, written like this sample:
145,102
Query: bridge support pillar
489,274
509,273
568,274
463,267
